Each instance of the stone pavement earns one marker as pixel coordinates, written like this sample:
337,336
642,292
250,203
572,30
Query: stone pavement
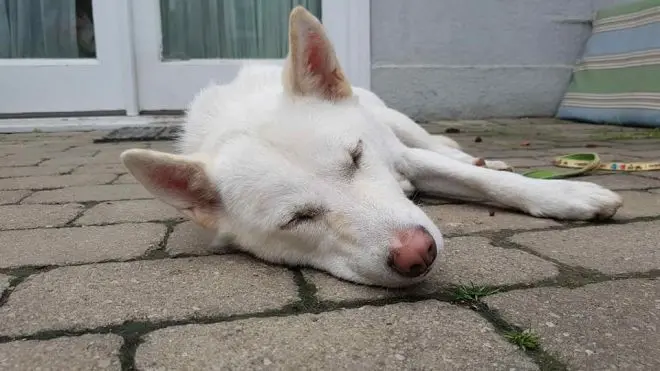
95,274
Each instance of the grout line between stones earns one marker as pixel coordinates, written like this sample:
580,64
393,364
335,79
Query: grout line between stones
86,206
540,356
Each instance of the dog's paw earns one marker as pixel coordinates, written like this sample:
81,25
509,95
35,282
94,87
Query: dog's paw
573,200
498,165
490,164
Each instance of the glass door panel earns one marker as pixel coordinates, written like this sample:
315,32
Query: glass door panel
183,45
60,56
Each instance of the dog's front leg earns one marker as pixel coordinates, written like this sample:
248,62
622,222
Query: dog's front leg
561,199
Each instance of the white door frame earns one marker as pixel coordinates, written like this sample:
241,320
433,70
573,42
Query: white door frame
164,86
37,86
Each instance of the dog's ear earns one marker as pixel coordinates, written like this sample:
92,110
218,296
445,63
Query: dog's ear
178,181
312,67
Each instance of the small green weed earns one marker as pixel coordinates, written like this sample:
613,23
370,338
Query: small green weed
526,340
472,292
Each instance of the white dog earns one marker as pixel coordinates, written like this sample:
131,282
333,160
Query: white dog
301,168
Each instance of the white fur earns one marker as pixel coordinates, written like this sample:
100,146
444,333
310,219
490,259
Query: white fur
268,152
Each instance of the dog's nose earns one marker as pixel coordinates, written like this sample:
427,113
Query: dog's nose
412,252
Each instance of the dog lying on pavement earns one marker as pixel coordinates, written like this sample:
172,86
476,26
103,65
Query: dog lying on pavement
301,168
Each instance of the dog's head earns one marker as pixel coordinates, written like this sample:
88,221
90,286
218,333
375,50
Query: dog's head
312,183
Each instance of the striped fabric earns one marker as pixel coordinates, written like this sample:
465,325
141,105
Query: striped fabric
618,79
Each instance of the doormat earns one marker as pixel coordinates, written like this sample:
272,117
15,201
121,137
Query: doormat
140,133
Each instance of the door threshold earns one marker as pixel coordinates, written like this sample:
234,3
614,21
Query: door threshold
98,123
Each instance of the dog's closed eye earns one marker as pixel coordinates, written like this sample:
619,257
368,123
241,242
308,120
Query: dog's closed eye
303,215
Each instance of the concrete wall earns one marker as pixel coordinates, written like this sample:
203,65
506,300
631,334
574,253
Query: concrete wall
437,59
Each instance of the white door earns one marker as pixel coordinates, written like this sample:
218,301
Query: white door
183,45
60,56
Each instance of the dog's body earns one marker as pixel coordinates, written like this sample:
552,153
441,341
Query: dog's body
298,167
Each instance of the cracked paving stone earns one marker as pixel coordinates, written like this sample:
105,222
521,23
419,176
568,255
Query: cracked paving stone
650,174
129,211
101,169
638,204
469,218
90,193
86,352
22,160
109,157
521,153
90,296
56,246
35,216
464,260
190,239
126,179
56,181
604,326
10,172
10,197
610,249
423,335
618,182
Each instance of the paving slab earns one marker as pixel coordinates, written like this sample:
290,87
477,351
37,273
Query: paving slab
409,336
57,246
20,171
470,218
638,204
90,296
119,146
581,149
35,216
611,249
90,193
86,352
66,160
621,181
648,154
168,147
11,197
101,169
82,151
521,153
604,326
55,181
190,239
465,260
107,157
23,160
129,211
126,179
650,174
31,149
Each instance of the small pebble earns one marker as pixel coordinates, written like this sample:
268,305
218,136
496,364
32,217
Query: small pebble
452,131
591,145
478,140
525,143
399,357
491,213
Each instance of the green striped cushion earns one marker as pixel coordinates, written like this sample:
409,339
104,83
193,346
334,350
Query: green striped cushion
618,79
